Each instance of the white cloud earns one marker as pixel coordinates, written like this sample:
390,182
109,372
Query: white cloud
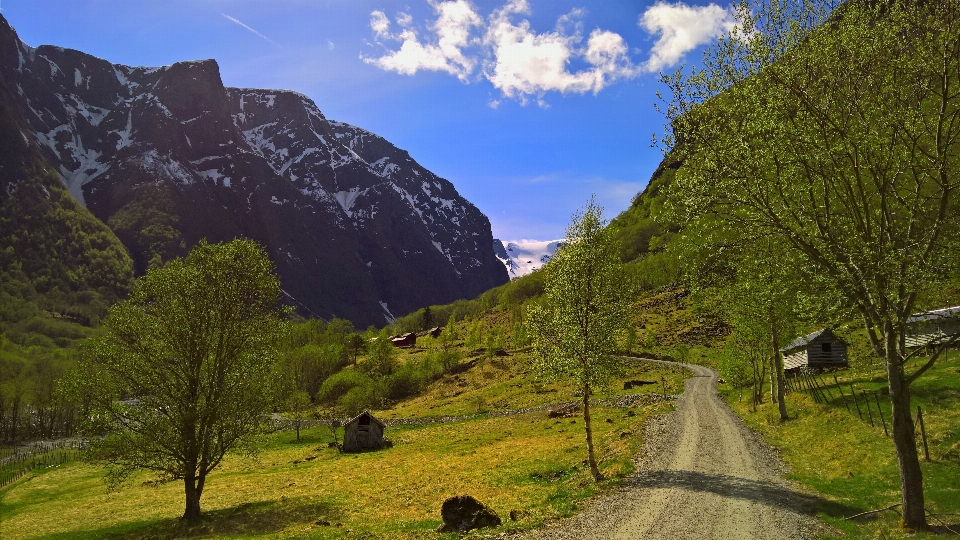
524,63
519,61
682,28
455,19
380,24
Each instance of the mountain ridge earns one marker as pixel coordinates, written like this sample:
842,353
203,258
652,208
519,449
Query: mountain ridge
169,155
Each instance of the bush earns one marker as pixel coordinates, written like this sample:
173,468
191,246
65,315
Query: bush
340,384
358,399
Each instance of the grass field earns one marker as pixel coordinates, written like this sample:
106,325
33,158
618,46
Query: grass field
832,451
525,462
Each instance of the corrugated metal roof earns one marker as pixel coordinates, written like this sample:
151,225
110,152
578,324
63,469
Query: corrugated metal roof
943,313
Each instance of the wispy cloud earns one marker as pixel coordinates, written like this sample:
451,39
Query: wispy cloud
681,28
237,21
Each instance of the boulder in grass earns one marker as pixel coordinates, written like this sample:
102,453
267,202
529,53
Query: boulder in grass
464,513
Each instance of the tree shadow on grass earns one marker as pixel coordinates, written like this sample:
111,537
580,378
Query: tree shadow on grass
263,517
724,485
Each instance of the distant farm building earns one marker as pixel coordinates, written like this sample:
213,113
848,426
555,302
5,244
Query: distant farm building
817,351
932,327
363,432
406,340
435,331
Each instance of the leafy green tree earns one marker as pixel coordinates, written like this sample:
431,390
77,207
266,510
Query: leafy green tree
181,375
381,356
474,335
835,132
585,307
298,403
451,329
630,339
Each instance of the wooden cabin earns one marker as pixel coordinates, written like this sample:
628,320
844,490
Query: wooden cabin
435,331
817,351
363,432
406,340
932,327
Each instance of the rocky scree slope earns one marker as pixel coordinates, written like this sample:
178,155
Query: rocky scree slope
167,156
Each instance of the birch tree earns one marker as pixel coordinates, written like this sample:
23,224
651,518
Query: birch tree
585,310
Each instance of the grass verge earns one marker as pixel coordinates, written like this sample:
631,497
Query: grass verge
832,451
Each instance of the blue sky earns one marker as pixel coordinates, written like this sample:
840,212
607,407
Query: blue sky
527,106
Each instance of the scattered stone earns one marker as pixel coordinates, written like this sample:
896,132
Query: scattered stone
322,523
631,413
609,420
310,458
625,434
464,513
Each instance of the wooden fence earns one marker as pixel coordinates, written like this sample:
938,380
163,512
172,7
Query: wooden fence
17,461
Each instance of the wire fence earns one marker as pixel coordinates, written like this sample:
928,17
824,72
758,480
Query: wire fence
867,404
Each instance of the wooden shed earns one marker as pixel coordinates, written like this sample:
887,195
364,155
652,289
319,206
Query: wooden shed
406,340
363,432
932,327
819,350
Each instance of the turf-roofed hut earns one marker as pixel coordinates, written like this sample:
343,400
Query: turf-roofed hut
821,350
932,327
363,432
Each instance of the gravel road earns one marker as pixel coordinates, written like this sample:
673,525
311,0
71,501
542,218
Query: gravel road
704,475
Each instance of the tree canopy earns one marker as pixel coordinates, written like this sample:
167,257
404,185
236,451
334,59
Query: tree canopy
834,128
182,374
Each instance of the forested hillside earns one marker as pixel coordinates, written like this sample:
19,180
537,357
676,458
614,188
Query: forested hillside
60,269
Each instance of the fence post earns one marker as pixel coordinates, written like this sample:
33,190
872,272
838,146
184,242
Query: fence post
855,402
923,433
843,398
880,412
863,394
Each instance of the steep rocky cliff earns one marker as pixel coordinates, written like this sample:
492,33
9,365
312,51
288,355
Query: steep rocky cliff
166,156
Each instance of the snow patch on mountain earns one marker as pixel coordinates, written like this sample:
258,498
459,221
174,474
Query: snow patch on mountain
522,257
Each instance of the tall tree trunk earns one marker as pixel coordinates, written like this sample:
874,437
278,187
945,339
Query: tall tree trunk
193,488
908,461
773,378
874,341
586,424
778,368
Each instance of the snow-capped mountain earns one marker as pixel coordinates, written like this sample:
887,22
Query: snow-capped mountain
167,156
524,256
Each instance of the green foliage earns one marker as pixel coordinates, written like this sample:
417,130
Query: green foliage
147,226
585,307
381,356
451,331
339,384
474,335
815,127
191,354
56,259
630,343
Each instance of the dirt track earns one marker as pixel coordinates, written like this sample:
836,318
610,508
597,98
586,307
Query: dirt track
705,475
